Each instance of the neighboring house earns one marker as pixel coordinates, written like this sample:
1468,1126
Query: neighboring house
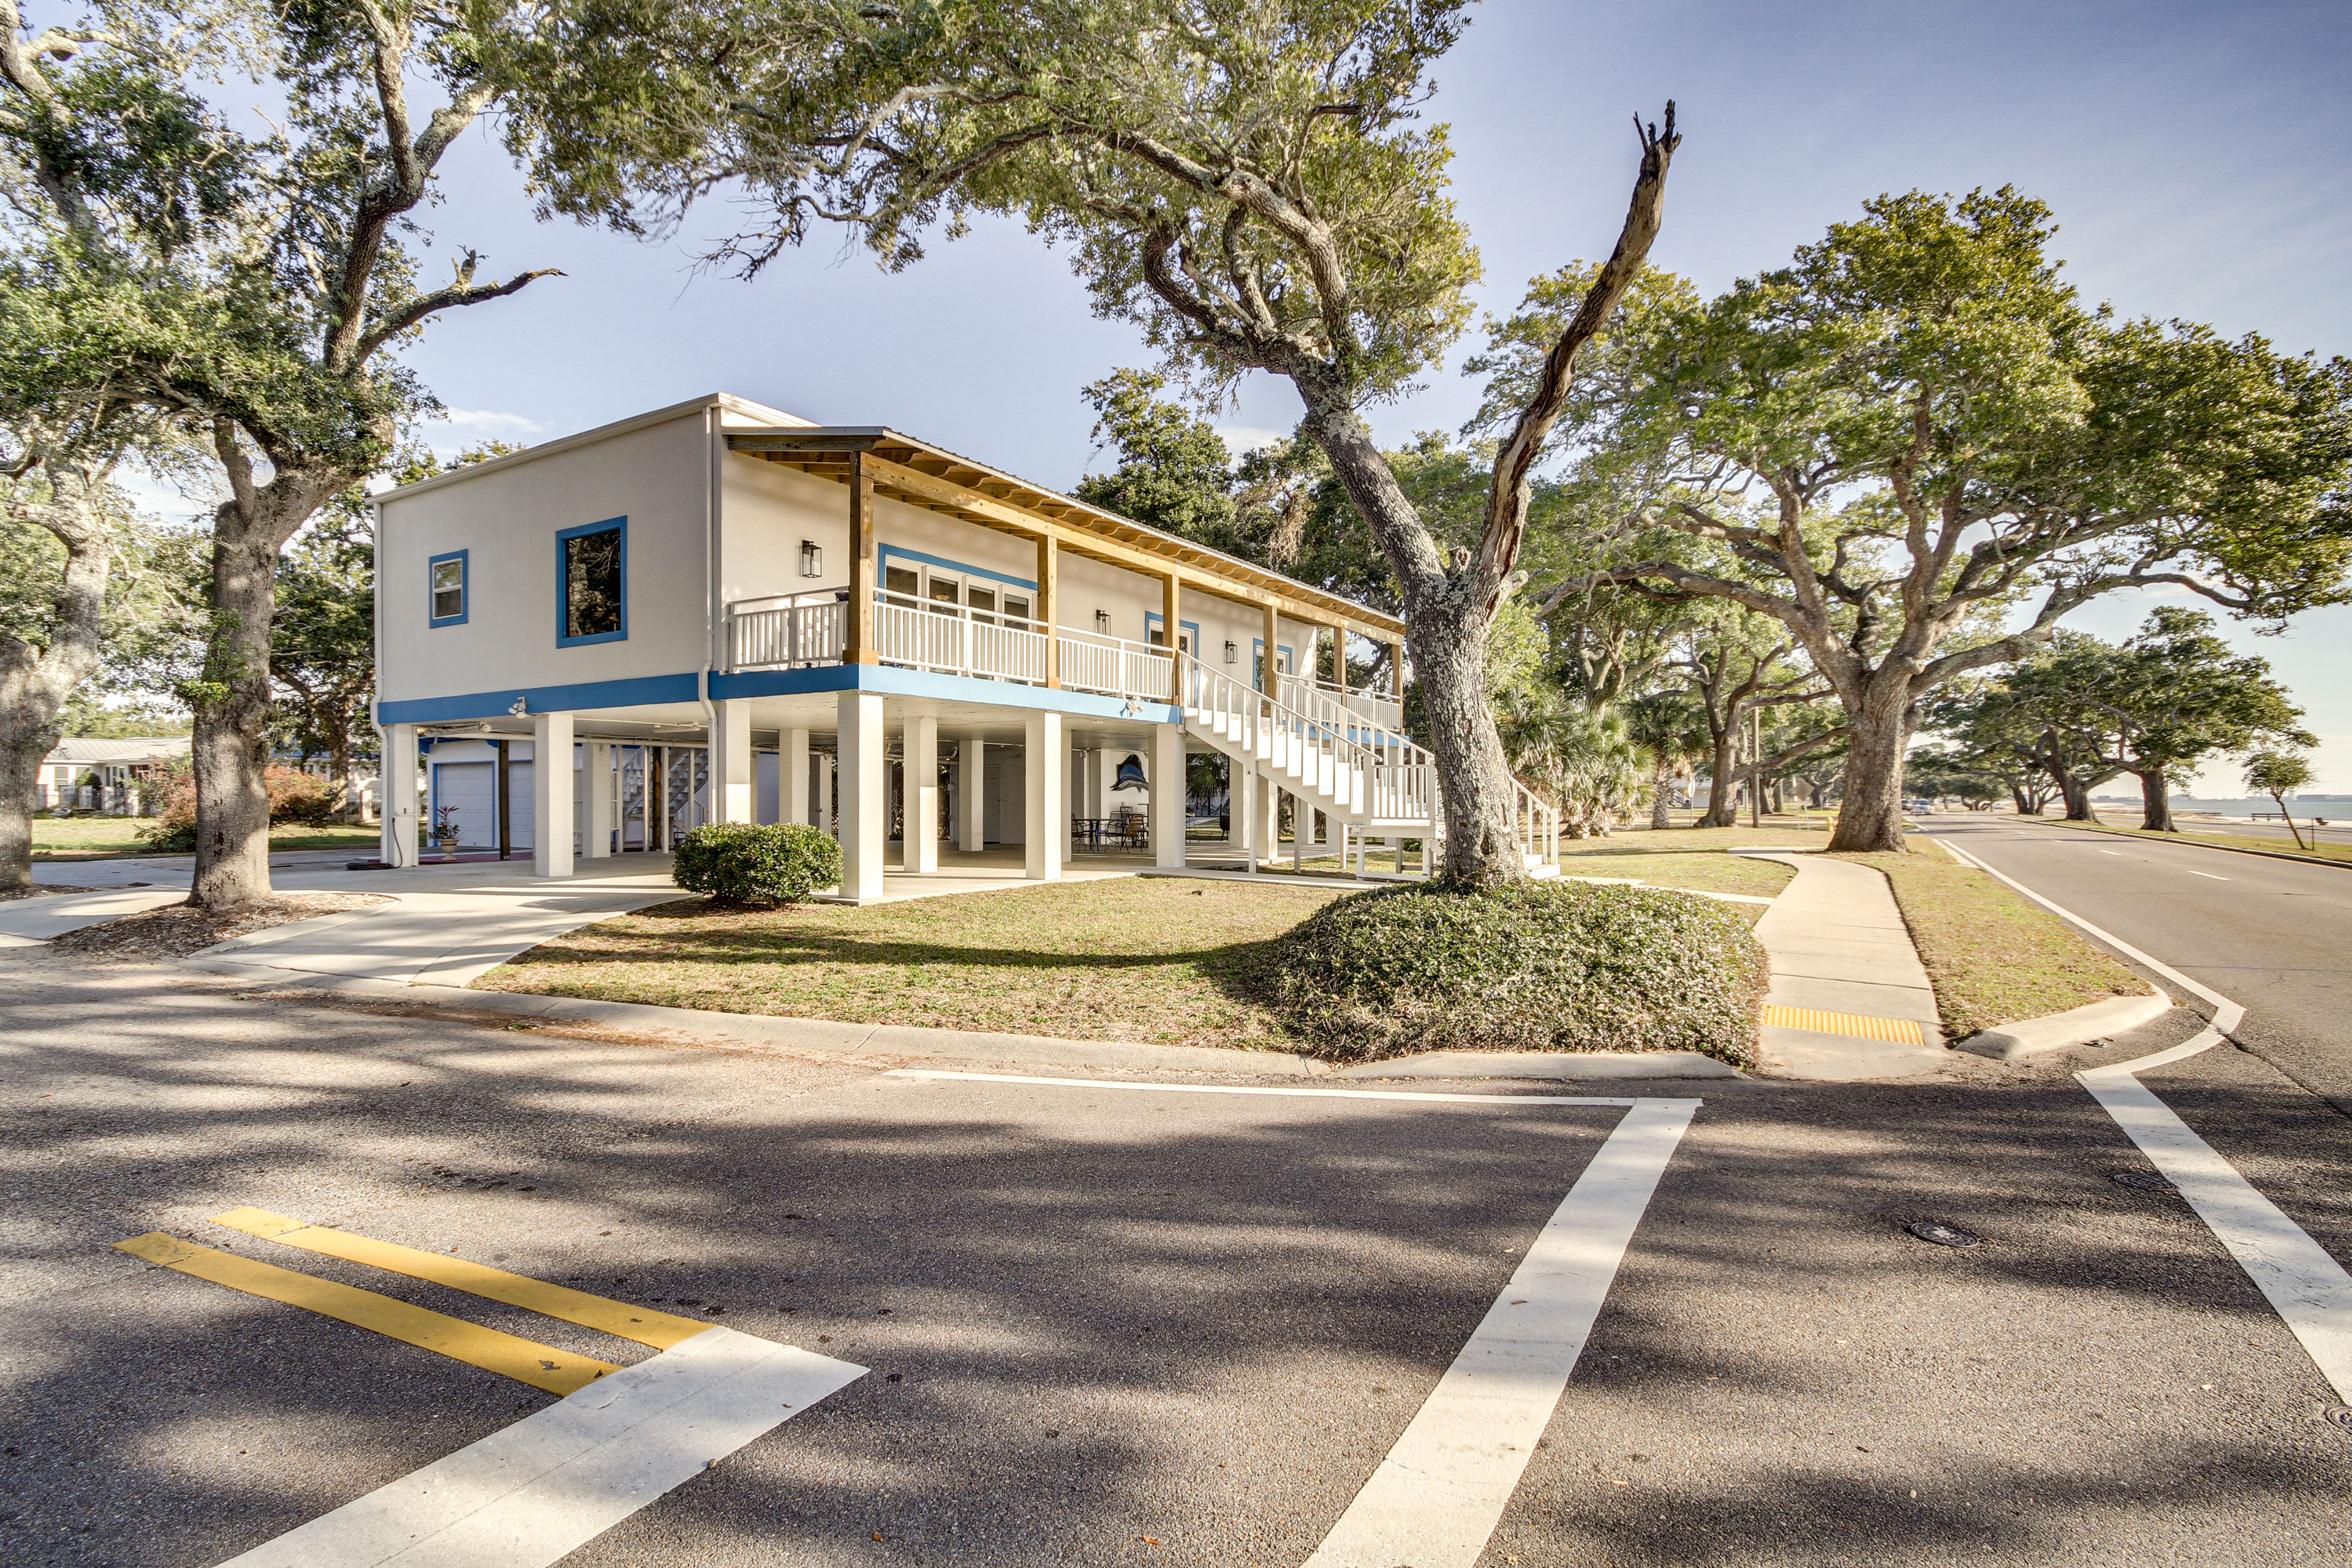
719,612
113,776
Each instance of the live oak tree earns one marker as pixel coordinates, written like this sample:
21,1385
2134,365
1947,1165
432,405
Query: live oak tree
251,284
2279,774
323,638
63,521
1248,183
2186,695
1943,438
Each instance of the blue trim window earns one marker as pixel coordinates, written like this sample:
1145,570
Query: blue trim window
446,588
1155,631
592,583
890,552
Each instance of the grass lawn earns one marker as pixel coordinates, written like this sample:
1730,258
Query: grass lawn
1993,957
1161,960
111,837
1690,857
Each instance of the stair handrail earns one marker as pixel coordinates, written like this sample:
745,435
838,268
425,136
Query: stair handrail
1265,708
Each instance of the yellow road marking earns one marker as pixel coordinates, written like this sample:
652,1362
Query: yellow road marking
642,1325
1859,1026
542,1366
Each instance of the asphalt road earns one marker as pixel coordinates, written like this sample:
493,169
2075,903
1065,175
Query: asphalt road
2274,936
1109,1326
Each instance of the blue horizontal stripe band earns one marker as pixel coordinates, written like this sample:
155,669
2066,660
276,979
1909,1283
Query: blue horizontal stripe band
633,692
649,691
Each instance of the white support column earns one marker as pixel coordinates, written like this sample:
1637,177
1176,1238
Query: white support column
865,819
826,762
793,778
919,850
596,843
731,778
1302,829
1269,820
1045,753
971,793
402,778
1168,811
1243,803
550,794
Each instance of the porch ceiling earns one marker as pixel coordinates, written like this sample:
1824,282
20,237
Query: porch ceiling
939,480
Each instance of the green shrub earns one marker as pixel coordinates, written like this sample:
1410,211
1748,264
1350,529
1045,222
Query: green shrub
294,797
741,863
1538,966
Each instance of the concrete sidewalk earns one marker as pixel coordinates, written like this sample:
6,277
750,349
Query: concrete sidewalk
452,923
1843,965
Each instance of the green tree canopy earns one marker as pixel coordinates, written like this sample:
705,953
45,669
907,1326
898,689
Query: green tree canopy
1945,438
1251,186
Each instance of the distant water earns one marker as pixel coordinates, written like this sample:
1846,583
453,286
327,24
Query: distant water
2321,805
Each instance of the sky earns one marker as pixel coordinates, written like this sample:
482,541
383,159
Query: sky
2198,158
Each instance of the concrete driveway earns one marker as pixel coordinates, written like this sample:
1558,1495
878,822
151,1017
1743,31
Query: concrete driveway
451,922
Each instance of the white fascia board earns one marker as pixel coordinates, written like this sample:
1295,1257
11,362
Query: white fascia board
774,419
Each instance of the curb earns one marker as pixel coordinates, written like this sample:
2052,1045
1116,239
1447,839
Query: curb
898,1041
908,1042
1572,1067
2192,843
2062,1031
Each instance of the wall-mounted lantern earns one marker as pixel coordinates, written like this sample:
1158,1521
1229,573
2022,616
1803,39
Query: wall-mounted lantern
1102,622
812,559
1232,654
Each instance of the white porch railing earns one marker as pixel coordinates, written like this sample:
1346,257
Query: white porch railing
1115,667
954,640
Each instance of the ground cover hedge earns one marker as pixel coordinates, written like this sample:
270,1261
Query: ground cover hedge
744,863
1538,966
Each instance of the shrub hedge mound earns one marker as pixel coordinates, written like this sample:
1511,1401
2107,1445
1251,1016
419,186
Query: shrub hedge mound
1538,966
747,863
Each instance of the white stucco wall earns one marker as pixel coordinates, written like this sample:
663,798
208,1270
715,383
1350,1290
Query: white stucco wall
506,520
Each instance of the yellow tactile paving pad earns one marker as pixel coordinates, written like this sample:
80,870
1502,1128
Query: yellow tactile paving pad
1857,1025
619,1318
542,1366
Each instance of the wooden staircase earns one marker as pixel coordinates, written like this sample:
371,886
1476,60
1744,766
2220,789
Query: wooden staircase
1357,770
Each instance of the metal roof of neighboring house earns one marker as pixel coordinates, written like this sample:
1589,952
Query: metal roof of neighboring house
137,749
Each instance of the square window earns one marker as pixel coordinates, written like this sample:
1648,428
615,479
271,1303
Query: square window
446,589
591,586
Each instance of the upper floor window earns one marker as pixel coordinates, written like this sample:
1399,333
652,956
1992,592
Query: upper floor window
446,585
592,583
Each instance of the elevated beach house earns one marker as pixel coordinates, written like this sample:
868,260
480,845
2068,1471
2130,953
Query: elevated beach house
717,612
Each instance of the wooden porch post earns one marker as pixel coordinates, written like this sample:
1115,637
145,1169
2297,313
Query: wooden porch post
1049,606
1171,607
857,647
1396,667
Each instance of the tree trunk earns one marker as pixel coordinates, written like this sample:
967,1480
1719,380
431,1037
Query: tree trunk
1871,818
1723,793
1480,797
36,682
1445,629
1662,782
2155,802
2077,795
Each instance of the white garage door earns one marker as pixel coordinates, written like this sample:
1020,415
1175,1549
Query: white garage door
462,793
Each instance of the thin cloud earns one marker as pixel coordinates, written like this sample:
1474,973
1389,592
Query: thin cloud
490,422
